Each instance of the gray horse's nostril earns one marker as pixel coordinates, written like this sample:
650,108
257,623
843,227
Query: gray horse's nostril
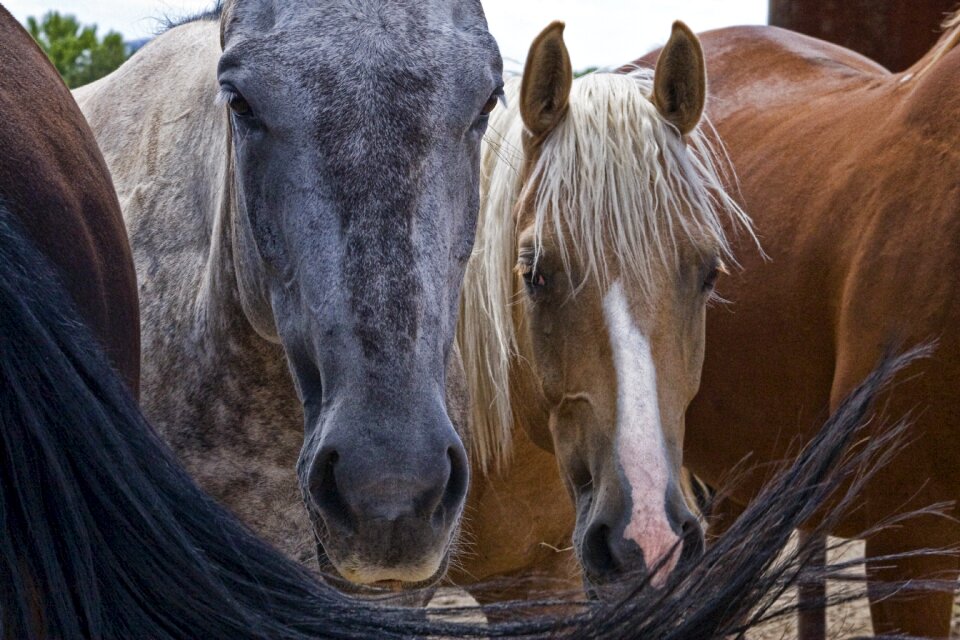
326,494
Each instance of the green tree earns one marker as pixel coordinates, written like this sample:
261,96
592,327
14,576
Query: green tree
75,50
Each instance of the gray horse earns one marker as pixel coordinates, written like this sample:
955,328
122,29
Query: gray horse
300,184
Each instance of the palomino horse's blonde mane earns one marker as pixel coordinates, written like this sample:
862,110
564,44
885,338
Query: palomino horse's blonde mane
616,177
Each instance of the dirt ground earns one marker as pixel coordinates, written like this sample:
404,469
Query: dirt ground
845,621
848,620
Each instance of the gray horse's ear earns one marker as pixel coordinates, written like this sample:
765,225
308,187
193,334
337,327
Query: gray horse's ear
255,16
547,79
226,11
680,81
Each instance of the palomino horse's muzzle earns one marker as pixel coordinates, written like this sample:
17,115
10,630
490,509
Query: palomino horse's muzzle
607,554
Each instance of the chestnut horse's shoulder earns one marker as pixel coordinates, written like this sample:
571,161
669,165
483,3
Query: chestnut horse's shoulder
775,64
754,46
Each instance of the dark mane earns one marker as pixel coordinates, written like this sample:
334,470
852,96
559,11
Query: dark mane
106,536
213,13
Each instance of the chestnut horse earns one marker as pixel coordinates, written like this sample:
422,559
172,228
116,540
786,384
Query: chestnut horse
851,176
582,331
77,224
105,536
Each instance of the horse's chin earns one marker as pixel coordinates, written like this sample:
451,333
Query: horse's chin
600,592
620,587
393,592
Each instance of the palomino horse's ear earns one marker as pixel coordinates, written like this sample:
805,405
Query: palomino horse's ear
547,78
680,81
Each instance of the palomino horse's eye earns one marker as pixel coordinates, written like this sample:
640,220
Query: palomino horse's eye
533,279
710,281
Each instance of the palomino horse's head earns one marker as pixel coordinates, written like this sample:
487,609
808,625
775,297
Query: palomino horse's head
611,222
356,131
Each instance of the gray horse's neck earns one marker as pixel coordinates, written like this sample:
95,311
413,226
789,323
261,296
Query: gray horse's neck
242,436
217,390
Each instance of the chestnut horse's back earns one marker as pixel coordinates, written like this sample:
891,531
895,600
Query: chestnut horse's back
53,179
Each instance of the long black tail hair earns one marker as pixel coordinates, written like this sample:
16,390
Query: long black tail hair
104,535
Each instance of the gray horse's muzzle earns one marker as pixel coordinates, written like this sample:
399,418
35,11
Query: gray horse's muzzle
386,498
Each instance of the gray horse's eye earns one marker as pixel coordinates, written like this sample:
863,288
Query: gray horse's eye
239,105
232,98
491,104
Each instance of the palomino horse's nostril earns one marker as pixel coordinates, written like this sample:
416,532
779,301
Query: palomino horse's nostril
693,544
596,555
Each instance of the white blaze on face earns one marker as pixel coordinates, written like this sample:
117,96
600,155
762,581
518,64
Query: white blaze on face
639,440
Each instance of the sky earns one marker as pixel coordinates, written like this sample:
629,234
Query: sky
600,33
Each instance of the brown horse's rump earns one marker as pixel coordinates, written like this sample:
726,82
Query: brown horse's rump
44,140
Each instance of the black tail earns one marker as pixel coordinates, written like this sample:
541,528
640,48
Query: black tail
105,536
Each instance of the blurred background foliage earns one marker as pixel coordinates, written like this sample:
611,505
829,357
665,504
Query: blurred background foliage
75,50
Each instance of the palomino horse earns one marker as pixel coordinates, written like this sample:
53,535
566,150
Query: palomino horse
582,330
300,182
851,174
78,224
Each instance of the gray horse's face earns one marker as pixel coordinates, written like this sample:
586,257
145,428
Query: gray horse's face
356,133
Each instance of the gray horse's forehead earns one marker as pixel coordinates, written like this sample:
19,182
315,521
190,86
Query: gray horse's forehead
387,14
411,29
349,53
338,57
